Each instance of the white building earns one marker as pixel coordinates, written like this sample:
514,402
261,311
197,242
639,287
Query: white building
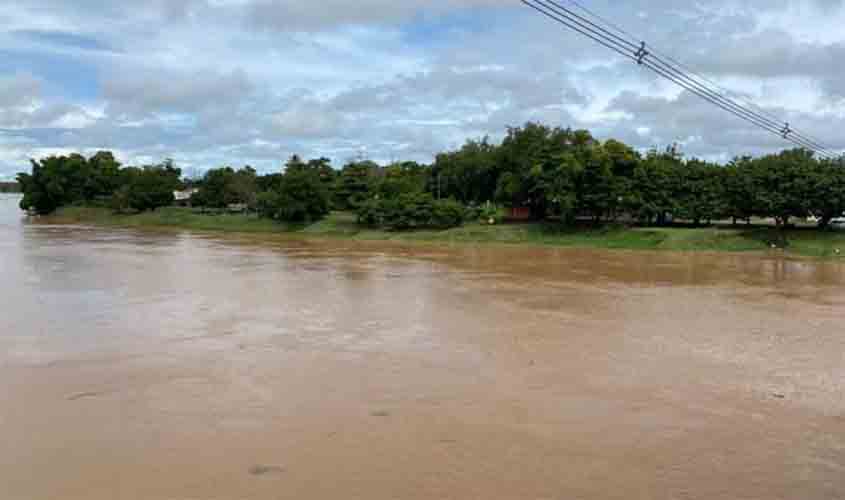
183,197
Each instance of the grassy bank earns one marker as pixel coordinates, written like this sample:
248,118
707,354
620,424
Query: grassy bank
177,218
805,242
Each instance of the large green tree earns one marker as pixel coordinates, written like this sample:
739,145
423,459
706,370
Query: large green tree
700,191
469,175
739,189
147,188
221,187
354,184
538,166
827,201
783,185
301,196
599,190
654,187
400,178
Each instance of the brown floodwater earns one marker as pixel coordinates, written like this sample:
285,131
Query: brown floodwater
186,366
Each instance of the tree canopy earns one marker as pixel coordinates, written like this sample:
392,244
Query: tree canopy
551,172
221,187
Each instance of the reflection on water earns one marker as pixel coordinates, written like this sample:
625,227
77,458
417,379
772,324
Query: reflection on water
169,365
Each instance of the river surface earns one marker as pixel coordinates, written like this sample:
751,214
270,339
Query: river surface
187,366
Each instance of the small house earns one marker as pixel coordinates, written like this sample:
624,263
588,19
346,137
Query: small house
183,198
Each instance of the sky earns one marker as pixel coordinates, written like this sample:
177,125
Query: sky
235,82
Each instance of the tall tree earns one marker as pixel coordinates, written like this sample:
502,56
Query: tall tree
739,189
828,191
783,185
654,187
221,187
300,197
353,185
469,175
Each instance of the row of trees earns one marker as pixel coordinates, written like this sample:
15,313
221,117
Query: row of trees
564,173
57,181
569,173
395,197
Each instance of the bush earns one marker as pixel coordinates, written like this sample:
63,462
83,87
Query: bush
146,189
300,197
370,212
483,214
447,213
411,211
267,204
225,186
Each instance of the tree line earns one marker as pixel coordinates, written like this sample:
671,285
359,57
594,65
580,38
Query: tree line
558,173
57,181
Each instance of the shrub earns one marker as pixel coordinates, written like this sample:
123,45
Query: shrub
370,212
300,197
485,214
146,188
267,204
225,186
447,213
411,211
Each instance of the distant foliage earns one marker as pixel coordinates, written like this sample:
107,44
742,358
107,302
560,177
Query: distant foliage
221,187
354,184
487,213
569,174
65,180
411,211
300,195
558,173
57,181
146,188
447,213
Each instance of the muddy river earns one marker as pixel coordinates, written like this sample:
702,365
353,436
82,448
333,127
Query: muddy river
188,366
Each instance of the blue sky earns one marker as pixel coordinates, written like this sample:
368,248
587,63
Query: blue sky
214,82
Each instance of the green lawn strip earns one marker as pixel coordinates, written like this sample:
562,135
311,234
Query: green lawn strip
802,241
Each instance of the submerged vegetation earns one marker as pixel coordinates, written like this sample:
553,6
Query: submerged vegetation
573,188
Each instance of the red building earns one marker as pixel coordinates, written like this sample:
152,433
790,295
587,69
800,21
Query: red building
518,213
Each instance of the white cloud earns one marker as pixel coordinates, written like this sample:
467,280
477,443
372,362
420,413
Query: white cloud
209,82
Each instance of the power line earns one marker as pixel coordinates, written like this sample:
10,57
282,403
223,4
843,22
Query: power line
639,57
646,57
673,60
599,36
716,90
781,129
724,92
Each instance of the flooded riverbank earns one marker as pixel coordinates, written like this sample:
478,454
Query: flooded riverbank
762,239
142,365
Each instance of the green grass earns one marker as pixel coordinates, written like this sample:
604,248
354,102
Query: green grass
803,242
171,217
